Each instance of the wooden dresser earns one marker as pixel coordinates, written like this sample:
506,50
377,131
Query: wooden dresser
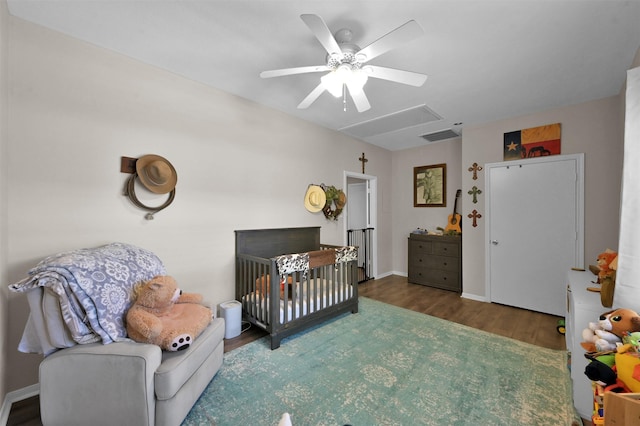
436,261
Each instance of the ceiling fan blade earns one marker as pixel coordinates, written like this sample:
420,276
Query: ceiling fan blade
311,97
290,71
403,34
359,98
318,27
395,75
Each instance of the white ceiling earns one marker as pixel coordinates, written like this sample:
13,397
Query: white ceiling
486,60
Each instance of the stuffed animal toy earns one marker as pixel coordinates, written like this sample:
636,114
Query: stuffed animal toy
607,263
596,339
598,371
620,322
162,315
612,326
630,342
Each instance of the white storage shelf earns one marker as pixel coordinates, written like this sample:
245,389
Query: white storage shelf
583,307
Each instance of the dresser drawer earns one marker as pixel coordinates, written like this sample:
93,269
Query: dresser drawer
445,249
434,277
420,247
444,263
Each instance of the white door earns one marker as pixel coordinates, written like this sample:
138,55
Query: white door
534,228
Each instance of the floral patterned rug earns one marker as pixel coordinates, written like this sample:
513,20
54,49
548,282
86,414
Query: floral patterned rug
390,366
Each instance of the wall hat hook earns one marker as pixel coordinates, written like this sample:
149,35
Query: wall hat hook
157,175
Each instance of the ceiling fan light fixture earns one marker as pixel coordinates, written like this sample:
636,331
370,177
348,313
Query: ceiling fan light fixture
334,81
358,78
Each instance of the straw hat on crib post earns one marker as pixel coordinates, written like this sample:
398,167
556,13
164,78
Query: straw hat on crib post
315,198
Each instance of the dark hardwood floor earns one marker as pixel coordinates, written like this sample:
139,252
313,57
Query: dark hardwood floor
520,324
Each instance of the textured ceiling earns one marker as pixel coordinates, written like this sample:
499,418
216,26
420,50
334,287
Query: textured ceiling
485,60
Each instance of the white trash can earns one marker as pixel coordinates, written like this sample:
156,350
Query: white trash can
231,311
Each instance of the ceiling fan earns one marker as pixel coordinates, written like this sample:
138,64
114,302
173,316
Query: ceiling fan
347,64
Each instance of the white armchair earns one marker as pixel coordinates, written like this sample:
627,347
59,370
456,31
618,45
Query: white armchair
128,383
91,373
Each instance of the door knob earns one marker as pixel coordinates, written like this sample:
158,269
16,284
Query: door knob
494,242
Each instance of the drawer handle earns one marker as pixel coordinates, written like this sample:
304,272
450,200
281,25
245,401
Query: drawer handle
419,260
445,263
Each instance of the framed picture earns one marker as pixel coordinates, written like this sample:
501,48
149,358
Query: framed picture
430,186
533,142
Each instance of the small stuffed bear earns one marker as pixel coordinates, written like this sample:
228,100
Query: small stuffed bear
162,315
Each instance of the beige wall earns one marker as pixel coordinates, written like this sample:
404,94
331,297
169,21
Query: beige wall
76,109
406,218
593,128
3,217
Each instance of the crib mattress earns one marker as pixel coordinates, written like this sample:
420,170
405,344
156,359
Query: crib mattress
317,301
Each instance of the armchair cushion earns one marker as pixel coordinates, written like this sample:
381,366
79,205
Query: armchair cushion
178,367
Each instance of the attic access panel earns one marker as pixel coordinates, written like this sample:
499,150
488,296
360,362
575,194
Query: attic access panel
411,117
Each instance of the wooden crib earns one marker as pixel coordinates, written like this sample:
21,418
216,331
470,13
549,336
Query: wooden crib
287,281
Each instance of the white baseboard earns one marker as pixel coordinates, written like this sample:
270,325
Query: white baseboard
15,396
474,297
386,274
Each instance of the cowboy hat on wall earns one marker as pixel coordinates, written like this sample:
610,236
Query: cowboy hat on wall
158,176
315,198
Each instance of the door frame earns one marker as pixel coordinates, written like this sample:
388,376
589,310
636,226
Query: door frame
579,255
372,213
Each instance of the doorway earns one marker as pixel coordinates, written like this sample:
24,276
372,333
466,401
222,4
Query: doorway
360,225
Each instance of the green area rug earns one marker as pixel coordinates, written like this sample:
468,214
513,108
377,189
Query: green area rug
389,366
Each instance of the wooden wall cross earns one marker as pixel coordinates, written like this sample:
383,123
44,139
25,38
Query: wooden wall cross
474,215
364,160
474,192
475,169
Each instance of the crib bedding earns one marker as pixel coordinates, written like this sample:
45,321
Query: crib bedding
287,281
306,301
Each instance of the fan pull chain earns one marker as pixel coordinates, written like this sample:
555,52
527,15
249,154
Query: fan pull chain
344,98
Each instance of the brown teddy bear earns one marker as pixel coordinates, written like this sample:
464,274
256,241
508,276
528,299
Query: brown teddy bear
162,315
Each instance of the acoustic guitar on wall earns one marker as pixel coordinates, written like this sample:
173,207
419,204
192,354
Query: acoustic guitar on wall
453,224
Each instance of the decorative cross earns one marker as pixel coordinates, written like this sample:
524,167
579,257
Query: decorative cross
475,169
364,160
474,215
474,192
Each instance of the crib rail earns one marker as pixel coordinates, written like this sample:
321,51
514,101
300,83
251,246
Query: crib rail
254,303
